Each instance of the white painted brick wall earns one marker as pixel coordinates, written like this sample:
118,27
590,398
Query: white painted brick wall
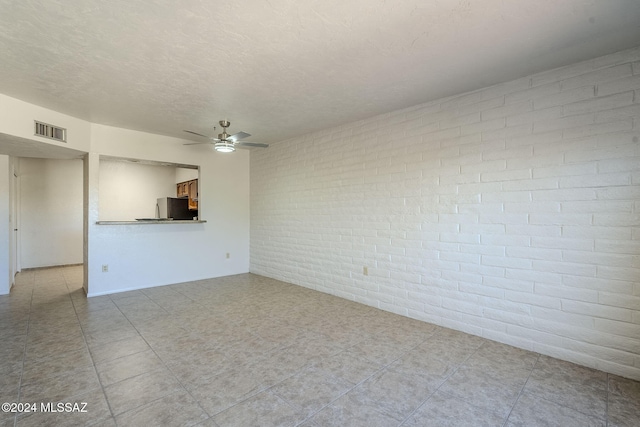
511,212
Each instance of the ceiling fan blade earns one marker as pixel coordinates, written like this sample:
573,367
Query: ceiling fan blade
250,144
196,133
198,143
237,136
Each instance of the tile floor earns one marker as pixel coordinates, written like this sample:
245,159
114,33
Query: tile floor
250,351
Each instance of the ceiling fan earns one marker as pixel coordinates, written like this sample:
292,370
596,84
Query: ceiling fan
226,143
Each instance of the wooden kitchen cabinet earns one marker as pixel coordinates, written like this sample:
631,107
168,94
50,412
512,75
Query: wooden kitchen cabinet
192,191
182,189
189,189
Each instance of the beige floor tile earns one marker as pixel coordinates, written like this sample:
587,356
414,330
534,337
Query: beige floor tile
177,409
418,363
351,410
226,389
624,402
394,394
264,410
67,363
533,411
311,389
348,366
493,390
97,411
249,350
442,410
140,390
114,370
60,387
570,385
120,348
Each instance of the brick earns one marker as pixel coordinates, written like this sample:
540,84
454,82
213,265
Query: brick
596,232
597,258
538,91
534,276
564,97
575,269
483,270
597,310
482,126
600,180
507,110
457,121
550,314
537,207
534,253
616,219
560,219
461,100
598,129
478,230
512,217
535,230
563,73
502,89
618,273
513,198
630,247
508,132
519,152
480,290
506,262
563,123
602,285
619,300
597,76
510,284
563,195
504,240
630,164
531,184
563,243
533,300
505,175
619,85
615,327
493,165
593,206
566,293
599,104
616,58
535,116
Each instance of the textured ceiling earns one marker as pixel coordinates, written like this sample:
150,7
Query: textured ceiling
281,68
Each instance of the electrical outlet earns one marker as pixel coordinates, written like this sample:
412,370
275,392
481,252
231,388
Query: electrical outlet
365,270
105,268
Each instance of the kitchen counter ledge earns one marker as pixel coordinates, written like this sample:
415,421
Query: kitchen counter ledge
175,221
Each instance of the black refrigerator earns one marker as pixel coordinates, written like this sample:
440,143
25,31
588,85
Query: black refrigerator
172,207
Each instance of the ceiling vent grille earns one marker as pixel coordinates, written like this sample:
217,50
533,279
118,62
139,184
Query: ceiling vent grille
50,131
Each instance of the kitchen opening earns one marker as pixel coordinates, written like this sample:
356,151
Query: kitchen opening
140,190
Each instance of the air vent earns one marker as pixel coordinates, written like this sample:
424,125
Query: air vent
50,131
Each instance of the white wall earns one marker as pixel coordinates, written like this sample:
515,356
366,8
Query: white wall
16,118
145,255
512,212
130,190
50,212
184,174
5,270
151,254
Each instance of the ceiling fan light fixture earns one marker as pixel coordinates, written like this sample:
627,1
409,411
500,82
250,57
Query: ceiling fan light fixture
224,147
